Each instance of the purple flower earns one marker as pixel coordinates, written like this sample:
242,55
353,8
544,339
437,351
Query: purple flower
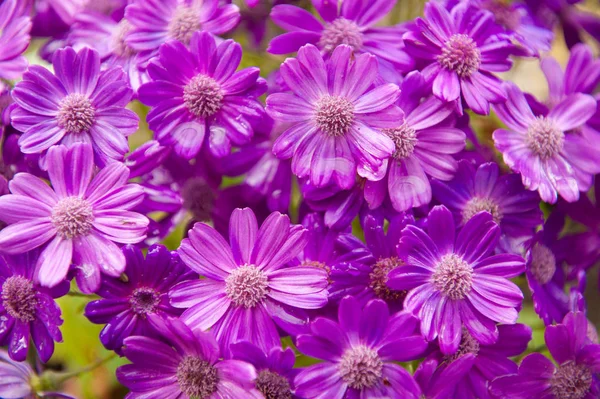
14,39
339,206
438,379
246,285
459,50
184,364
127,306
359,354
79,103
80,217
574,377
28,310
453,280
196,96
336,114
15,378
551,158
146,158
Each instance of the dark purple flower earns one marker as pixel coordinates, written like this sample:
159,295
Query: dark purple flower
27,310
246,285
14,39
360,354
453,280
574,377
335,115
197,96
438,379
146,158
129,304
81,217
460,49
184,364
79,103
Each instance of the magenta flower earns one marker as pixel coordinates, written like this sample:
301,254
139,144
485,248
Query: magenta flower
81,217
336,115
246,284
453,280
197,96
14,39
79,103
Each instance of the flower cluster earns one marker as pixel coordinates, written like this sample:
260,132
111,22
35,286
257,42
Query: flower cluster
384,213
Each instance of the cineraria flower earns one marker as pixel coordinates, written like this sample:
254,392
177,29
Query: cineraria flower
339,206
15,378
197,96
453,280
79,103
515,209
14,39
275,369
360,354
551,158
439,378
27,310
146,158
335,115
460,50
574,377
350,22
246,285
425,142
80,217
128,305
184,364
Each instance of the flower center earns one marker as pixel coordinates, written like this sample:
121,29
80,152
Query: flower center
334,115
544,138
198,198
571,381
76,114
405,139
361,367
273,385
543,263
468,344
203,96
453,277
72,217
120,48
379,277
185,21
144,300
341,31
246,286
476,205
197,378
19,298
461,55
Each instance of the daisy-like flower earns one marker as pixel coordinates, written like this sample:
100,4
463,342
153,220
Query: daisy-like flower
551,157
28,310
14,39
454,281
438,378
574,377
246,285
197,96
360,354
127,306
183,364
15,378
335,115
78,103
81,217
460,49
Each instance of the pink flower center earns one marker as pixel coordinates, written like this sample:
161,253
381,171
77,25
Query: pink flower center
461,55
468,344
544,138
185,21
273,385
76,114
203,96
476,205
405,139
246,286
120,47
361,367
543,263
341,31
198,198
144,300
72,217
571,381
19,298
334,115
197,378
453,277
379,278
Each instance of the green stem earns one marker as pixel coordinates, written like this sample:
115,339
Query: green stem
62,377
77,294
